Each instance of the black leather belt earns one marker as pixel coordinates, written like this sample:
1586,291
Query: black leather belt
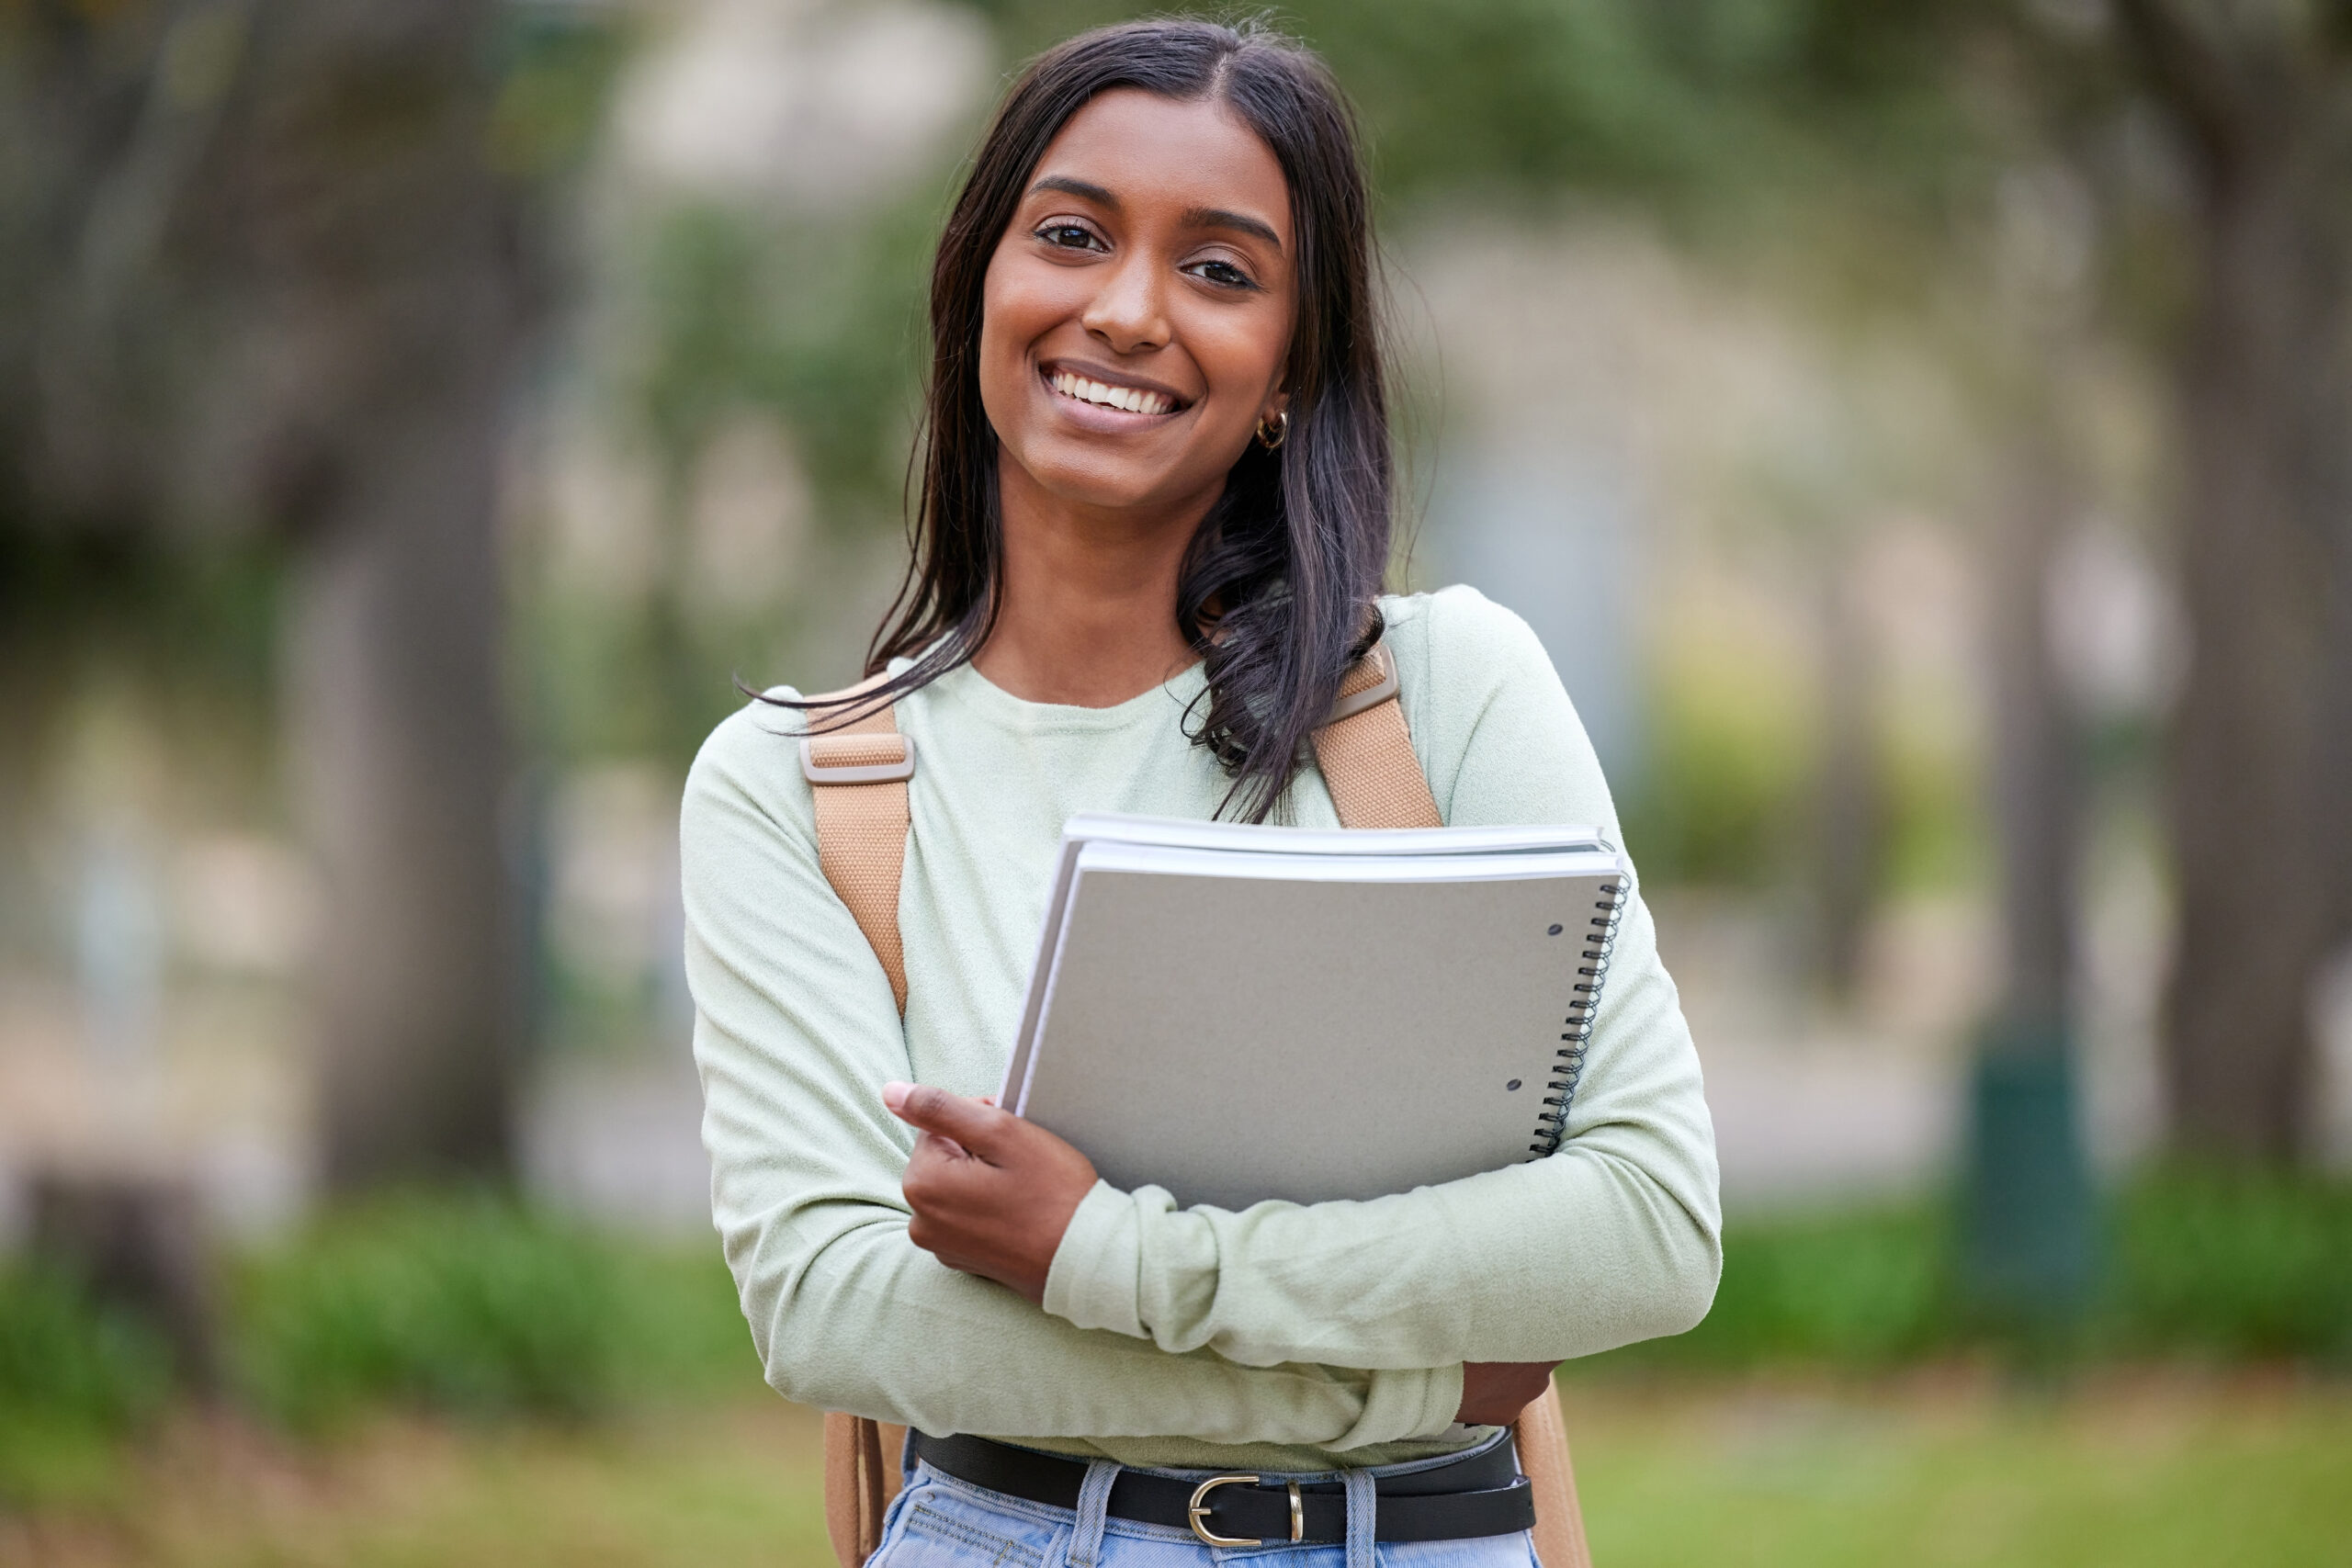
1480,1494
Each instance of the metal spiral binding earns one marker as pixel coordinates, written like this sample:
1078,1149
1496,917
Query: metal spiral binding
1552,1125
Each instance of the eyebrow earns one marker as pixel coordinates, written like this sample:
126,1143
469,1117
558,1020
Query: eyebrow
1194,217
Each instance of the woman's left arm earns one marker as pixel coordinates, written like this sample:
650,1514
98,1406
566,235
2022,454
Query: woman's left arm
1614,1238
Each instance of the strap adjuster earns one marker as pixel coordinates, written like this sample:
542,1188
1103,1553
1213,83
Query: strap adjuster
1351,704
815,748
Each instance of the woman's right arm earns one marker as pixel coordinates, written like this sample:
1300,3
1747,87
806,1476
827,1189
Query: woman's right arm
795,1031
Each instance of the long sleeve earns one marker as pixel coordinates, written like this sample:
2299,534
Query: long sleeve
795,1032
1614,1238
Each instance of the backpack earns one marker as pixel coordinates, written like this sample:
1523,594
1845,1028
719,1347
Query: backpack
859,775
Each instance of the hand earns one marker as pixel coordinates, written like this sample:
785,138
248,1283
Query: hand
991,1193
1494,1393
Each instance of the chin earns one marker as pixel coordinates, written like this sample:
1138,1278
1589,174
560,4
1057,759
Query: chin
1096,479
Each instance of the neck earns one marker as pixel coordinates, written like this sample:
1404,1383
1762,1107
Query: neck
1088,617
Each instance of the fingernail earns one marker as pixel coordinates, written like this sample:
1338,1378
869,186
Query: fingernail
894,1095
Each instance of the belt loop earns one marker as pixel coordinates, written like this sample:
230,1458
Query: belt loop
1364,1499
1094,1505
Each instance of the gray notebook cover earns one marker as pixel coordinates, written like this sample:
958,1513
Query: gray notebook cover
1241,1026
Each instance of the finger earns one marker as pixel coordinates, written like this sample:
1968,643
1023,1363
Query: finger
933,1146
978,1127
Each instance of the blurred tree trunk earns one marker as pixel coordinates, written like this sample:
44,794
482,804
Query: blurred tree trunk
2036,781
262,273
2260,792
384,264
1848,790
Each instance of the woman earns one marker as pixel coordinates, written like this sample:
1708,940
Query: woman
1154,521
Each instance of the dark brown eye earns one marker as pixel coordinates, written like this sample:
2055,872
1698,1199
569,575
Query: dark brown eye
1068,236
1225,273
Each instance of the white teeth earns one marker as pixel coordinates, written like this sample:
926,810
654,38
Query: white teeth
1133,400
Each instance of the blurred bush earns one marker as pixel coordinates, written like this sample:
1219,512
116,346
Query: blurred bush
2211,1266
1859,1292
73,1380
2237,1266
476,1307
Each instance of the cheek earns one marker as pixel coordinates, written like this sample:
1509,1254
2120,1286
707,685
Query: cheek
1241,356
998,336
1020,302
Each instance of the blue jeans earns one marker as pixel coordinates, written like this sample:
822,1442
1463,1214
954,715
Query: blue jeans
940,1522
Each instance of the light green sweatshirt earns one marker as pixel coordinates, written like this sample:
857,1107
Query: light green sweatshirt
1282,1337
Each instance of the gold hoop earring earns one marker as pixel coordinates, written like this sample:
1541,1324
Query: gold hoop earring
1280,426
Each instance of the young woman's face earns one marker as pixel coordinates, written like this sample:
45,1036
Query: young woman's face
1137,309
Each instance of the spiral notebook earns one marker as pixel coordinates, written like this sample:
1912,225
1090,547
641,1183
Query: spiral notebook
1239,1013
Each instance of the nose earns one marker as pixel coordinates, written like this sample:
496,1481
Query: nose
1129,314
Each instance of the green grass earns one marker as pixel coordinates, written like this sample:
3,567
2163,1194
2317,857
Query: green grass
2148,1473
2127,1471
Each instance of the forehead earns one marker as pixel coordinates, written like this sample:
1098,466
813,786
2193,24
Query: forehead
1155,153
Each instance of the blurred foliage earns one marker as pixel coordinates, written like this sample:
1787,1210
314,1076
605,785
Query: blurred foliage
192,629
1628,95
1934,831
1727,793
1721,795
475,1307
2235,1265
73,1380
556,63
469,1308
819,325
2201,1265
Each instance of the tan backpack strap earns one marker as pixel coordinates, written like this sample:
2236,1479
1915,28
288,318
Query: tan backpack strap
862,1475
858,776
1365,752
1540,1435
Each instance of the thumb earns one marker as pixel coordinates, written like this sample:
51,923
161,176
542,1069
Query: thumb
971,1122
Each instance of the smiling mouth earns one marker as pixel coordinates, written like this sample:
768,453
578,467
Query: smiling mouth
1127,400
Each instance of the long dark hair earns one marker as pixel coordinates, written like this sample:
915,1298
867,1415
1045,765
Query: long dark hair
1277,589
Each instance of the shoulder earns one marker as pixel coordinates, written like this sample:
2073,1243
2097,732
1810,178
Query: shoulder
1497,735
1461,648
748,773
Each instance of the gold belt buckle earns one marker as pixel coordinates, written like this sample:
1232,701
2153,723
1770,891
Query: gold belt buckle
1199,1512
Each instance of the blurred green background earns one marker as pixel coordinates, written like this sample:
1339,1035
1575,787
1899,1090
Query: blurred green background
1921,434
